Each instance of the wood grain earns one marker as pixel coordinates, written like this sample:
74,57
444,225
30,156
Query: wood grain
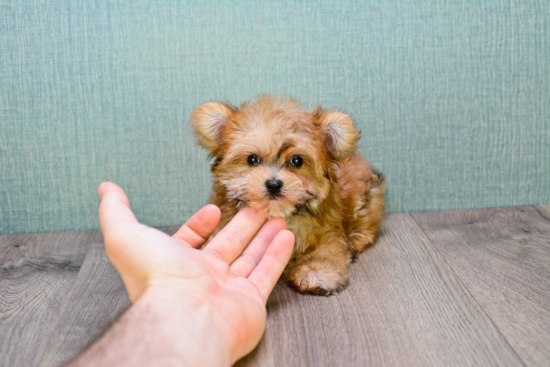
465,288
97,300
404,307
502,256
37,272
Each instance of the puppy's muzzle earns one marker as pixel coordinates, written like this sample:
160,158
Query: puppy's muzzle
274,187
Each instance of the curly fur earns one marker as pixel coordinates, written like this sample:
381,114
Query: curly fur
333,203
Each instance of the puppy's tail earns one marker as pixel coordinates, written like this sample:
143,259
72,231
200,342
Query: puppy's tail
378,182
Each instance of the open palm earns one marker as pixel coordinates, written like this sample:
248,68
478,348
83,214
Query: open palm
232,279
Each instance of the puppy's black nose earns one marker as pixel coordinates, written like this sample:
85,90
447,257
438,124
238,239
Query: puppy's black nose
274,186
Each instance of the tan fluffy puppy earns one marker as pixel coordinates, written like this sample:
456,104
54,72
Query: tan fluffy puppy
273,155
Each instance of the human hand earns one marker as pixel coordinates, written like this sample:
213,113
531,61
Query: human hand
221,281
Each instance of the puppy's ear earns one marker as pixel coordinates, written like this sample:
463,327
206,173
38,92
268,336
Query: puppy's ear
208,121
339,132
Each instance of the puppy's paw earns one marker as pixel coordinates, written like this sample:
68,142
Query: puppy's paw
320,277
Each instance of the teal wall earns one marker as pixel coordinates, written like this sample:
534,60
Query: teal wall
453,97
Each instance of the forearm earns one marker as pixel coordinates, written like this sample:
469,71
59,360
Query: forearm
158,332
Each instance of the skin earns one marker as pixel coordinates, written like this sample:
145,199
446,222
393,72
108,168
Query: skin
190,307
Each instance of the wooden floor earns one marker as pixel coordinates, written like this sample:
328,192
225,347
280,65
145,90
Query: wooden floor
457,288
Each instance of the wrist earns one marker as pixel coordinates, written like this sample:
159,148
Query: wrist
191,325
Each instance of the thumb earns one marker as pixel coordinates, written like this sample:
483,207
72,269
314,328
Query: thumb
114,211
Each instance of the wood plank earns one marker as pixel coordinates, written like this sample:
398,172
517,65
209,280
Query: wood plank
37,272
404,307
543,210
97,300
502,256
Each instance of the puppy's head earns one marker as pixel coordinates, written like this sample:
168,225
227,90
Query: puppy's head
273,155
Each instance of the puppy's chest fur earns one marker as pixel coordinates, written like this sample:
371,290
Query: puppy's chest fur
307,234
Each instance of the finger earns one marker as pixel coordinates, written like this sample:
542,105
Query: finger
233,238
199,227
251,256
133,248
272,265
117,222
114,210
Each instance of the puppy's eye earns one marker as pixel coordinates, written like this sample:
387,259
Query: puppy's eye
296,161
253,160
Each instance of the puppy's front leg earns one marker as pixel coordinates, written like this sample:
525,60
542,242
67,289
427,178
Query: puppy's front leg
322,268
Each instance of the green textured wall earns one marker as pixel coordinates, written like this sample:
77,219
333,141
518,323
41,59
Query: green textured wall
452,97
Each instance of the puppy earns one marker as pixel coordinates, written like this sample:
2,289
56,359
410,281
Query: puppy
273,155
